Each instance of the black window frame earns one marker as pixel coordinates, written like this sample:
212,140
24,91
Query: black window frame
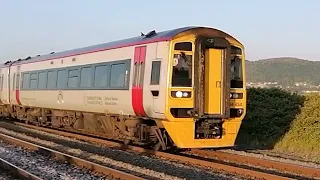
155,73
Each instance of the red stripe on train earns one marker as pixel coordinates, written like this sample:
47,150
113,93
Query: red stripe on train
18,97
137,90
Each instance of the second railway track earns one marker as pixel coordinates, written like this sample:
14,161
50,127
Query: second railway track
265,163
218,166
96,168
17,171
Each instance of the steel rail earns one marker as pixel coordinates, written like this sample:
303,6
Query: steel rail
265,163
184,159
17,171
71,159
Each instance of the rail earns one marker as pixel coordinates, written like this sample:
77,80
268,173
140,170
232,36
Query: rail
280,166
17,171
71,159
188,160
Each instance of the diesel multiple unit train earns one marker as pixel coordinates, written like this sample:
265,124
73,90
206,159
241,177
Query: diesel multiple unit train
181,88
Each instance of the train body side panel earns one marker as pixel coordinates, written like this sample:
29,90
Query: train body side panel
4,85
154,88
101,101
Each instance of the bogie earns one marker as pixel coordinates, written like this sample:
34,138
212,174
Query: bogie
121,128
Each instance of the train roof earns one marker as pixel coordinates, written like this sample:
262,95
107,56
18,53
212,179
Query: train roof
143,39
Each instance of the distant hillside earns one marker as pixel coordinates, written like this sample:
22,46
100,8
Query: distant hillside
285,71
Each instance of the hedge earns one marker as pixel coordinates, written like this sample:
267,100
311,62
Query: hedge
283,121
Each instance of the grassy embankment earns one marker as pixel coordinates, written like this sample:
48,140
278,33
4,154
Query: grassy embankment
282,121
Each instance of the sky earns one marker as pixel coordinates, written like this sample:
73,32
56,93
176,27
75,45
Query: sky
271,28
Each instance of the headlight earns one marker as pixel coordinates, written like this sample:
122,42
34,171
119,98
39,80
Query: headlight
179,94
185,94
236,95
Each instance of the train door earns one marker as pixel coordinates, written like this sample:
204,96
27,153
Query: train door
155,86
214,55
213,79
5,91
138,76
11,85
15,85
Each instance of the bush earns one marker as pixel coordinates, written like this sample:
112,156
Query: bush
282,121
303,137
269,114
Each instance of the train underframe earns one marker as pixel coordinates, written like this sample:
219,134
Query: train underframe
127,129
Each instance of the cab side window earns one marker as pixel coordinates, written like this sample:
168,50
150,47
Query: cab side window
155,72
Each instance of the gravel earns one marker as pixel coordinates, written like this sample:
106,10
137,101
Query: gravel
4,175
138,164
270,170
270,157
40,165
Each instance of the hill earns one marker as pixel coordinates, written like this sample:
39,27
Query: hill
286,71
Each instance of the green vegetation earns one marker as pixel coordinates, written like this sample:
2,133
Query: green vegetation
303,137
268,118
283,121
285,71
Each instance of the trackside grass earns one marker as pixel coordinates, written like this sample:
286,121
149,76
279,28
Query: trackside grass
282,121
303,137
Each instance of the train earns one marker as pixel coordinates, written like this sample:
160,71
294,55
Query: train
180,88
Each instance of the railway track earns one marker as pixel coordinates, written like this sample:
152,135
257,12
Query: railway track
280,166
95,168
17,171
242,171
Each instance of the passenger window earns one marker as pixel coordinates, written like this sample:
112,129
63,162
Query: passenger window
62,79
42,84
155,72
100,76
118,74
73,78
85,77
26,80
52,79
34,80
182,70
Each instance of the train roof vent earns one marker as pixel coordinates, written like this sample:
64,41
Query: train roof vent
51,52
7,62
150,34
19,59
29,57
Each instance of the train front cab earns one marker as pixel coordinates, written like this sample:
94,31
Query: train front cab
206,97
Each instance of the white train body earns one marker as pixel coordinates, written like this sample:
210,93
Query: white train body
69,91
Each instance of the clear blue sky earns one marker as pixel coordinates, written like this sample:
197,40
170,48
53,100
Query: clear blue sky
270,28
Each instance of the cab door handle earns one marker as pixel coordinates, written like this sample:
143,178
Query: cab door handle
218,84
